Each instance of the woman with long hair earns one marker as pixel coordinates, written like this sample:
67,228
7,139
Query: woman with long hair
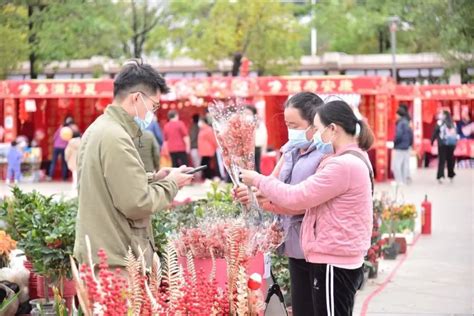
446,135
337,204
300,159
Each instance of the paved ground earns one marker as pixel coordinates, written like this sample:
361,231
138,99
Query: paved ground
435,278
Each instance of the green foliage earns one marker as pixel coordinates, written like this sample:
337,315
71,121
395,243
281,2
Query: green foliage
13,43
74,30
361,27
266,32
44,229
282,274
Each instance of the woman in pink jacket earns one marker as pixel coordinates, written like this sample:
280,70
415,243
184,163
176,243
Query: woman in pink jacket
337,199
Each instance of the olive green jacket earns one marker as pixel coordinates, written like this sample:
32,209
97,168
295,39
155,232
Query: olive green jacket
116,196
149,151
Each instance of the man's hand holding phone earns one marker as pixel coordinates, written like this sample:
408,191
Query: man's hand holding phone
180,176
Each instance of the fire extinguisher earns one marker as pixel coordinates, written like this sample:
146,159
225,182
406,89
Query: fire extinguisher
426,217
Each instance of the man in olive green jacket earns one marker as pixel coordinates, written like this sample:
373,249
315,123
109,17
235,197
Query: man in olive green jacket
116,196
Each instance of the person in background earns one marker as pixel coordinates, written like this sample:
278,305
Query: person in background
154,127
149,151
299,160
59,145
70,154
261,136
446,135
337,205
402,144
14,158
177,138
207,146
193,133
465,127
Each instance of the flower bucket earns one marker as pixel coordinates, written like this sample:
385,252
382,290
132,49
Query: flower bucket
203,268
391,251
374,270
69,289
32,282
401,242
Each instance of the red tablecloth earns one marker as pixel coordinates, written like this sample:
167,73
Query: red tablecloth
464,148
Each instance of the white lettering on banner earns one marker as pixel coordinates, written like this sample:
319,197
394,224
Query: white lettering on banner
417,123
24,89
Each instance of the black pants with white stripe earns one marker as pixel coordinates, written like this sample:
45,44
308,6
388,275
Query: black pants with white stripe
333,289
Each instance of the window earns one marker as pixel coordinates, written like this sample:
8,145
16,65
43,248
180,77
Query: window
408,73
355,72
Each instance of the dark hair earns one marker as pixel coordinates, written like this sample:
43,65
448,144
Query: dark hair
448,120
135,75
13,143
251,108
68,120
172,114
340,113
196,118
76,134
307,103
403,111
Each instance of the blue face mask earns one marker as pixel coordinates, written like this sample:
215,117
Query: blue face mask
144,123
321,146
297,138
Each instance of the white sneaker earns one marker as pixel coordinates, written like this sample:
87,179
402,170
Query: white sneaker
7,181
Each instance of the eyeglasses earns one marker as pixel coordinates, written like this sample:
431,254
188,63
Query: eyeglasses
156,104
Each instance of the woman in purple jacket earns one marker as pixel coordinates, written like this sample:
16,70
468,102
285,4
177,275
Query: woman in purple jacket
300,159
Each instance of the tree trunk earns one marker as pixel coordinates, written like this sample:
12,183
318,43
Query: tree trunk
31,40
381,41
237,61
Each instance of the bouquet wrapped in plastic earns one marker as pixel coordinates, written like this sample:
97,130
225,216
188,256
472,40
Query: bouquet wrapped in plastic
235,133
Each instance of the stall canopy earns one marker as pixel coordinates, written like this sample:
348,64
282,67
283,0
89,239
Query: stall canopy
43,104
425,102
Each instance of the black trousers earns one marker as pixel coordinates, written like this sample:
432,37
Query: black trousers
179,158
258,158
208,173
300,280
334,289
58,152
446,157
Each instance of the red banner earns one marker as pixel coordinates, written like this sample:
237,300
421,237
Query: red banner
56,89
435,92
214,87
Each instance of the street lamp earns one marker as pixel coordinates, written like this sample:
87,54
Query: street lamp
393,24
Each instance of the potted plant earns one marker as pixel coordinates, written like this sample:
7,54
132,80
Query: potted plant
50,243
17,212
45,230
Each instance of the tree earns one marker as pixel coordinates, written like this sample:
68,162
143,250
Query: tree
266,32
64,30
145,16
13,43
361,27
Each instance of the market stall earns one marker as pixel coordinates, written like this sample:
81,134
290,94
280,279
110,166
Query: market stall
424,104
43,104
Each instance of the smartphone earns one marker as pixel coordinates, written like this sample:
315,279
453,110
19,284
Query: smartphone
200,168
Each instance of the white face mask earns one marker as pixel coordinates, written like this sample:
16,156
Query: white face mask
323,147
144,123
297,138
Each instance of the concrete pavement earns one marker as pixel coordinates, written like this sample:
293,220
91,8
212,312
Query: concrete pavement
436,278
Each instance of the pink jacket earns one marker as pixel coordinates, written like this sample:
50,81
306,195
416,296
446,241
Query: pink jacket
337,226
